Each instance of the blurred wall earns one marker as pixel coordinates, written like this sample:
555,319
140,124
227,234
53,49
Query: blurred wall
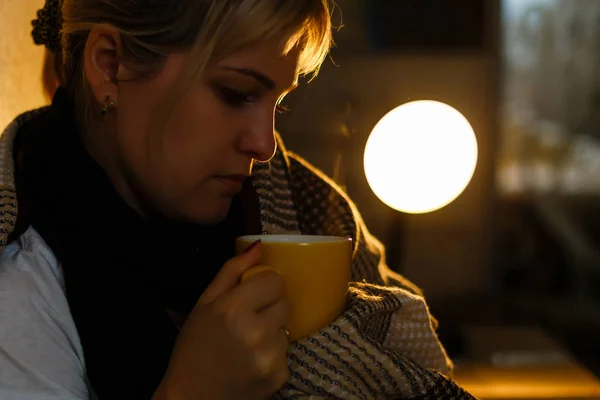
445,252
21,65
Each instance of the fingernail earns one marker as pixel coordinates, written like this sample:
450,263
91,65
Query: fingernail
253,245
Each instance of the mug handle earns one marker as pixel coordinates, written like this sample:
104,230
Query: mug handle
257,269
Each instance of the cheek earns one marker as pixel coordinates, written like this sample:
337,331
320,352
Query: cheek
134,124
140,105
200,136
198,140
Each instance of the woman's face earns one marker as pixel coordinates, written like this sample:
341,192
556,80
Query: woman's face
192,169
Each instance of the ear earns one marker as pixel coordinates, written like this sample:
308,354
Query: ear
102,63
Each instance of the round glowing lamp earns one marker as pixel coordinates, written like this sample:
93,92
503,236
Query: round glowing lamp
420,156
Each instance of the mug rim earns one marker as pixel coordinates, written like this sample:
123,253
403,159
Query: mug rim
293,238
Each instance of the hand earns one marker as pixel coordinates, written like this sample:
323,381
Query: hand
232,345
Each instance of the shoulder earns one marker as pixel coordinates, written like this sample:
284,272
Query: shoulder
8,196
317,191
323,206
306,173
41,354
30,260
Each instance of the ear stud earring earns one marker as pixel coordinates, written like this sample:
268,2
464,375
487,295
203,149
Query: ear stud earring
108,104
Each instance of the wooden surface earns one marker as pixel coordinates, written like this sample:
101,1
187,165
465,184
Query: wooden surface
522,363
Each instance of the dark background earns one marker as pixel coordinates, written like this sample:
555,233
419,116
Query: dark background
512,267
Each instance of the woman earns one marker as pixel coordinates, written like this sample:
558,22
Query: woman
51,66
118,276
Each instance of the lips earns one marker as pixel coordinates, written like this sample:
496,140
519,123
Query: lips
237,177
232,182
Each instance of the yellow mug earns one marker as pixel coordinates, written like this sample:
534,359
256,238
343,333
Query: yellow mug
316,272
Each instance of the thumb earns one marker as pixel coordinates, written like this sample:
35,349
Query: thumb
229,276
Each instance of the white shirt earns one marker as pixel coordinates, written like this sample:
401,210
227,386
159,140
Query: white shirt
40,352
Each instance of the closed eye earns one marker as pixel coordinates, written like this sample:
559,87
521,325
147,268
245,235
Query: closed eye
235,98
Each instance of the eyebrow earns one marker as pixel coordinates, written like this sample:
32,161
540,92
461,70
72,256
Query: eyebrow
264,80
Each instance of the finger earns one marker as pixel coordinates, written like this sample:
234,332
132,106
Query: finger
262,330
281,343
277,316
257,269
259,291
271,359
231,273
282,373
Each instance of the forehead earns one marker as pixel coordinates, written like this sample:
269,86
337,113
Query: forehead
268,59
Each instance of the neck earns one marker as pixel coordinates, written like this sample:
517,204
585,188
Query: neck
101,146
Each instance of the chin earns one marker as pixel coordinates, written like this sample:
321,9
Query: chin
207,213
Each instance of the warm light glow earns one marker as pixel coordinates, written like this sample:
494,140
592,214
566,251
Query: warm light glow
420,156
21,63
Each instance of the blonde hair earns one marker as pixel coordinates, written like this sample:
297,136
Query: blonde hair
210,29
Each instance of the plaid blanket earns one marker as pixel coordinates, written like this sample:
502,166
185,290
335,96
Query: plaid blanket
383,347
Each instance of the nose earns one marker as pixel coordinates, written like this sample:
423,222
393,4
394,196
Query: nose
258,138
